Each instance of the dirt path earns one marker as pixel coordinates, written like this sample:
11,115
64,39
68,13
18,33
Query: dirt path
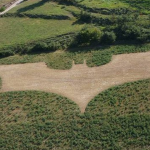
80,83
12,6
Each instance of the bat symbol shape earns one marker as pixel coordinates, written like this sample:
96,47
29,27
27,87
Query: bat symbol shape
80,83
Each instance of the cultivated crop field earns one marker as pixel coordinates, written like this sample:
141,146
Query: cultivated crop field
75,75
115,119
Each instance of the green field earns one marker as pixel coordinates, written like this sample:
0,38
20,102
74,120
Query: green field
117,118
36,7
21,30
103,3
143,6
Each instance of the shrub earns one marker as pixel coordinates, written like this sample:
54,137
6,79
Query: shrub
40,47
108,37
6,53
54,46
66,2
85,17
130,31
2,9
89,35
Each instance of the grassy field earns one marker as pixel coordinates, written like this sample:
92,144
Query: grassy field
110,4
143,6
117,118
40,7
21,30
63,59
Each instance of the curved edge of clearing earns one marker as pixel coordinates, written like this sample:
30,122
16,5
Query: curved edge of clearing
115,88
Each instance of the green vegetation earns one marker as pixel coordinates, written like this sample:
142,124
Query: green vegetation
63,59
2,9
103,4
140,5
36,7
117,118
108,28
22,30
107,6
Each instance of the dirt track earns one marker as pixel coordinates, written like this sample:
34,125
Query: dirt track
80,83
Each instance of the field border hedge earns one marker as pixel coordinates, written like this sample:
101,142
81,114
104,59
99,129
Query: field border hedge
57,17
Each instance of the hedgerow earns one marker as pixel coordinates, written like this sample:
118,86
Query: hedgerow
63,59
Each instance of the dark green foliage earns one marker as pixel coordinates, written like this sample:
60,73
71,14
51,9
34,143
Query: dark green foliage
89,35
131,31
85,17
108,38
44,47
66,2
5,53
98,58
2,9
63,60
116,119
40,46
139,4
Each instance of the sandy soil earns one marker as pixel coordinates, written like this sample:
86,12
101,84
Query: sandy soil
80,83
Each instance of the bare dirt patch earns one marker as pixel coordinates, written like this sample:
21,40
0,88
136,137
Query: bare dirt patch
80,83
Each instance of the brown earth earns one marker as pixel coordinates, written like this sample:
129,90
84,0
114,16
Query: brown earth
80,83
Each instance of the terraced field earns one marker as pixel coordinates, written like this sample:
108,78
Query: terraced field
36,7
74,75
29,29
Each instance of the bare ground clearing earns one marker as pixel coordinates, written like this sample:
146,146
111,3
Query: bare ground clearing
80,83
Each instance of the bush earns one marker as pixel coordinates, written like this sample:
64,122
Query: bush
54,46
89,35
40,46
66,2
129,31
85,17
2,9
6,53
108,37
44,47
